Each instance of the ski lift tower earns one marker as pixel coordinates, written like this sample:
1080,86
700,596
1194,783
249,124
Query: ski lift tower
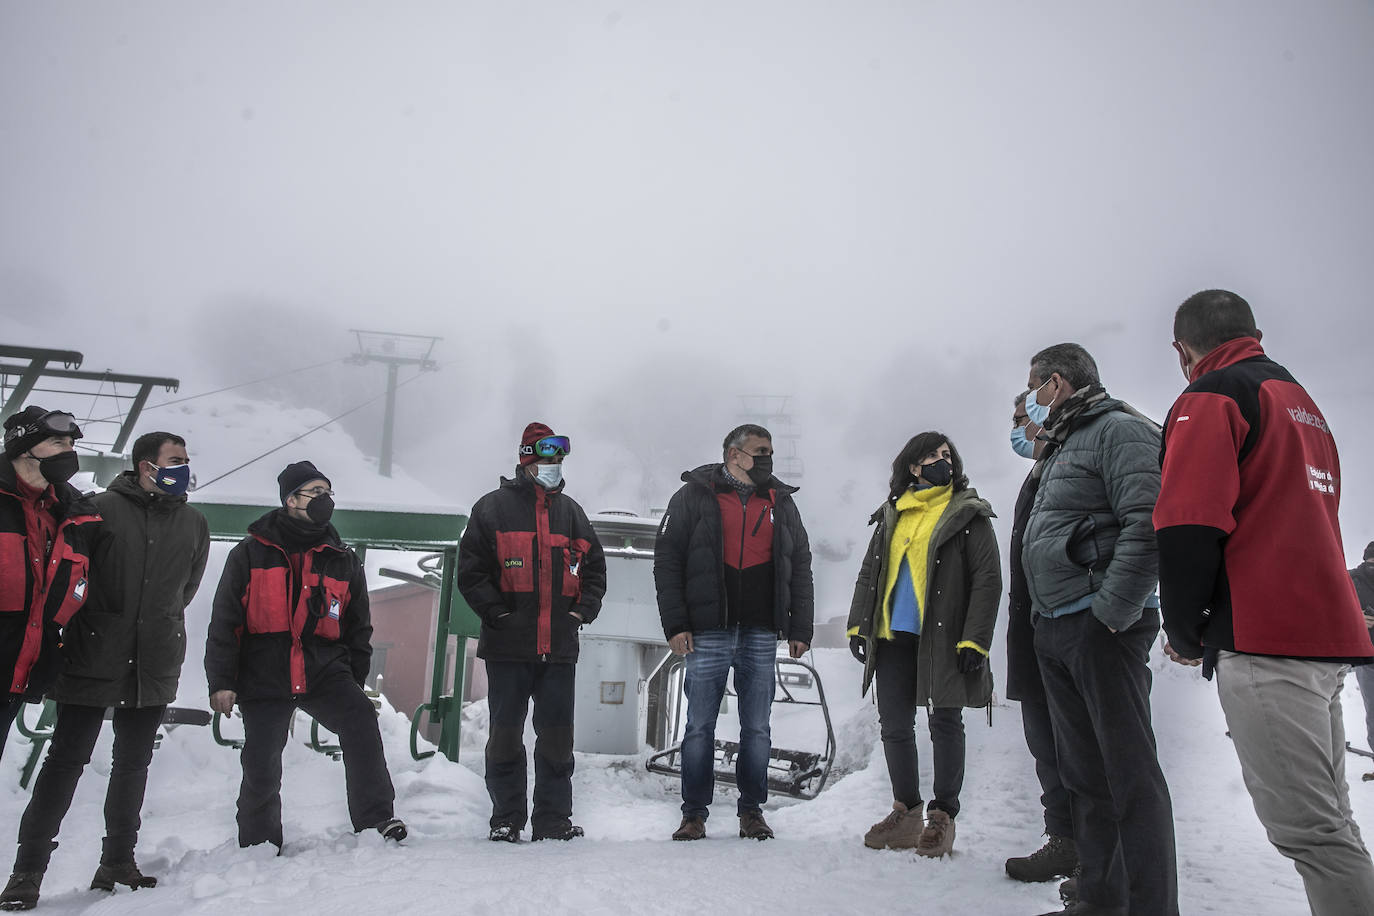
394,351
774,412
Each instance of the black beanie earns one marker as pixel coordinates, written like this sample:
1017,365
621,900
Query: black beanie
1369,551
23,432
302,472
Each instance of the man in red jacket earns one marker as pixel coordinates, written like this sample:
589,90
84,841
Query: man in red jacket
1253,583
531,567
291,628
45,532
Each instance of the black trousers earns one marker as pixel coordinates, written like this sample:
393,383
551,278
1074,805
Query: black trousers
73,740
339,705
1098,686
895,676
510,687
1038,728
9,710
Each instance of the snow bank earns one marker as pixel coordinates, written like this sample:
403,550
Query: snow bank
627,864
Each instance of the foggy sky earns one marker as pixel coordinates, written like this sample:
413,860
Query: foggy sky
622,216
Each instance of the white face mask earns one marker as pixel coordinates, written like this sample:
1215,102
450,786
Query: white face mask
548,475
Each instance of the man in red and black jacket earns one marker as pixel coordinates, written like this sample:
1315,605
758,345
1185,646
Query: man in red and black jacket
1253,583
531,567
46,531
291,628
732,569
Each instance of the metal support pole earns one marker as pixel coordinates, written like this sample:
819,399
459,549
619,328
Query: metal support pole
389,421
23,387
126,429
447,710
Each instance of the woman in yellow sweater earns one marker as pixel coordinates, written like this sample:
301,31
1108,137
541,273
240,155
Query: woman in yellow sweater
921,622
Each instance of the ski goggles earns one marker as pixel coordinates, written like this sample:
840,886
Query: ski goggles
52,423
548,447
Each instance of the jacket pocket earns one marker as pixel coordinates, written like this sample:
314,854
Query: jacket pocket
572,573
327,605
1082,543
515,553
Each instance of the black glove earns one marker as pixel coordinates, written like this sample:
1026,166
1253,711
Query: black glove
859,649
971,660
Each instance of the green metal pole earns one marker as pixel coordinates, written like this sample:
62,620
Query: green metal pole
448,713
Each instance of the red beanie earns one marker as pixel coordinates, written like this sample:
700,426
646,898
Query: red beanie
533,433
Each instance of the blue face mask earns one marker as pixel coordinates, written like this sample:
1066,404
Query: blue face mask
172,480
1038,413
1020,444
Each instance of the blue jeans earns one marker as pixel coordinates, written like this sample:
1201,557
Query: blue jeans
750,652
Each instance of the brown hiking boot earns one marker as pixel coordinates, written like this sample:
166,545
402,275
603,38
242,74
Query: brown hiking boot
901,829
1056,859
691,828
752,826
21,893
126,873
938,837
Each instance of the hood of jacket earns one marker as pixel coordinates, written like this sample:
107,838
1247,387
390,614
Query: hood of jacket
127,485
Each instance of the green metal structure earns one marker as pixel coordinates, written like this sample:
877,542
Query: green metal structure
380,529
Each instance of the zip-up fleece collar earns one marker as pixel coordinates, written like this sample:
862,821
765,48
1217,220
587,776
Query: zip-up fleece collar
65,493
708,475
1228,354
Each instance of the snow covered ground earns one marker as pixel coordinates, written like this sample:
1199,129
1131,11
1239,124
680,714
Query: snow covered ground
627,864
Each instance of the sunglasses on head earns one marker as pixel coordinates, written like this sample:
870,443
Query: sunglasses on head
548,447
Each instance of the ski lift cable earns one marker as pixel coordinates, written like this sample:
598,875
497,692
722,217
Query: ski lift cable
278,448
266,378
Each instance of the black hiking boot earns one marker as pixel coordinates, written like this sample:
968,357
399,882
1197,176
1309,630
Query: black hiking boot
570,832
394,830
126,873
504,833
1056,859
21,893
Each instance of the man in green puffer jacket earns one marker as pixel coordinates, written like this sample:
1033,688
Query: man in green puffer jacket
1091,566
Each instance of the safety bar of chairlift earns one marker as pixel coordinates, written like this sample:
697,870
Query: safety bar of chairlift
828,756
415,751
40,734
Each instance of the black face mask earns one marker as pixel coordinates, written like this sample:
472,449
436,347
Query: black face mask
320,509
938,473
58,468
762,471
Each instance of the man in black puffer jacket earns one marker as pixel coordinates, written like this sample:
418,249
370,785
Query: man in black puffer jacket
300,636
531,567
732,566
122,652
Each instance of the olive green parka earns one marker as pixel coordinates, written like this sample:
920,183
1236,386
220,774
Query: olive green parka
964,592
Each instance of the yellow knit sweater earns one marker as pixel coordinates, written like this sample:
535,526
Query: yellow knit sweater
919,512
